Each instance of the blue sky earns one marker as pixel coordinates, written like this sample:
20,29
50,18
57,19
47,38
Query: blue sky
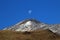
13,11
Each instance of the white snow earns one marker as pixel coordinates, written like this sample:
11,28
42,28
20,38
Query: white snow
28,23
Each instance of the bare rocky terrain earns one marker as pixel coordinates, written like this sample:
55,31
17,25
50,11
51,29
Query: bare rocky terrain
33,35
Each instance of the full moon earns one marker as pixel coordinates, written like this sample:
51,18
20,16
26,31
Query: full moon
29,11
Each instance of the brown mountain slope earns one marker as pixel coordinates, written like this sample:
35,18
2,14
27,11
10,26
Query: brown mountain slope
35,35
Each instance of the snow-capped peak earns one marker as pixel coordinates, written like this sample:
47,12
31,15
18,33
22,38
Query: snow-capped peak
28,25
32,24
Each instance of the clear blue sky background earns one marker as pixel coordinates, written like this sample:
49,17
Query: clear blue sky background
13,11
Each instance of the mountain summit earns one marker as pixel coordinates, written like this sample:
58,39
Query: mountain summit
27,25
32,24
